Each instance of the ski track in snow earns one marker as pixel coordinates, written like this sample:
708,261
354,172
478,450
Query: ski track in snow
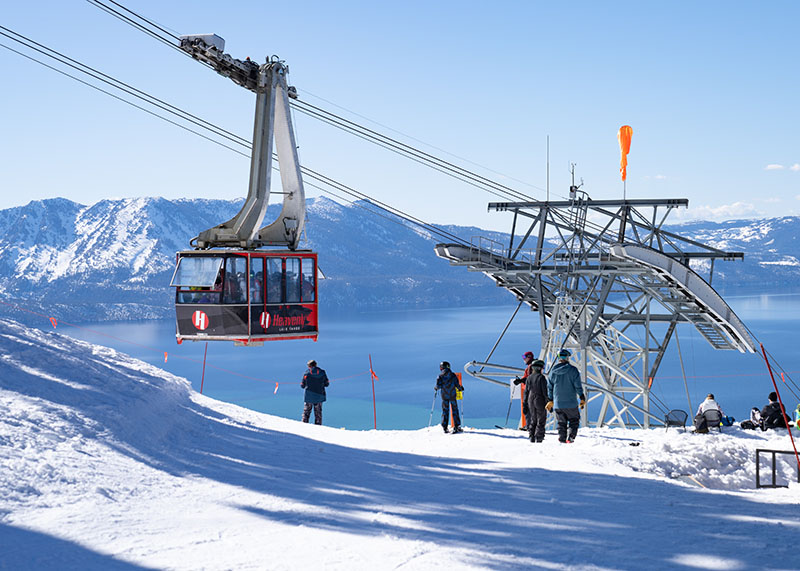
107,462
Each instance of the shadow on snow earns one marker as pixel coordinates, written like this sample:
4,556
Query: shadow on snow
560,517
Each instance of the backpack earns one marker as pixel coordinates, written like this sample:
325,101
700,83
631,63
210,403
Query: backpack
700,424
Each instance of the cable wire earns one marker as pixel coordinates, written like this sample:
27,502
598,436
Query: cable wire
218,131
441,165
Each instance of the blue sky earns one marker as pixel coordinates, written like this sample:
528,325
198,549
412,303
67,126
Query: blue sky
710,89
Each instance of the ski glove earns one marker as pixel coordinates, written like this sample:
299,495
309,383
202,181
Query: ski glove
517,381
583,403
549,406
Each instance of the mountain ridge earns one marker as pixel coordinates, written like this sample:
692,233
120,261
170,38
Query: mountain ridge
113,260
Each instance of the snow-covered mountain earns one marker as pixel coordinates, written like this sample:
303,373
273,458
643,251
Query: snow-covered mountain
114,259
771,250
107,462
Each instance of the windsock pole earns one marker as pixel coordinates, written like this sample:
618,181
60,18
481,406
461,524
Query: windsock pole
624,137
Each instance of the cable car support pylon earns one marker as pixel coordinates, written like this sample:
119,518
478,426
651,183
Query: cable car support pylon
611,285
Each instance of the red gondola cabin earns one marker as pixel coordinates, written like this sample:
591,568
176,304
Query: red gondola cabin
245,296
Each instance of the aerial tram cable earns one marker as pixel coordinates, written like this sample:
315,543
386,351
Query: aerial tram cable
407,136
121,99
422,157
113,82
151,29
159,32
418,155
117,14
218,131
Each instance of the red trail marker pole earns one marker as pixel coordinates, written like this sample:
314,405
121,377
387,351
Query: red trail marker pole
780,400
372,378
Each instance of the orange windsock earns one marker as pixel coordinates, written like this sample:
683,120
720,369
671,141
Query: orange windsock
624,137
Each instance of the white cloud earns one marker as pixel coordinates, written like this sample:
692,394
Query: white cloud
774,167
719,213
656,177
795,167
772,200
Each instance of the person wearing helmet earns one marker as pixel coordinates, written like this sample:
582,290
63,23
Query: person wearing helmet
527,357
447,383
564,390
536,397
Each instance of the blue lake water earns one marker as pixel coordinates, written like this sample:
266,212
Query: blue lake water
407,346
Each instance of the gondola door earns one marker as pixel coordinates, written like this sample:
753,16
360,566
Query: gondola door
286,286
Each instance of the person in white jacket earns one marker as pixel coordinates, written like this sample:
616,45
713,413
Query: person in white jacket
708,404
700,423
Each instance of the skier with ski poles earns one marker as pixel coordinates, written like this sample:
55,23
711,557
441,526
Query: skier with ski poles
433,404
447,383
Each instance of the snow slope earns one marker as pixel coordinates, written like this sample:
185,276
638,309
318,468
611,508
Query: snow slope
109,463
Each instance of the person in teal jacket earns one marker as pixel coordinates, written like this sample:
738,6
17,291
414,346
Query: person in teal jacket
565,394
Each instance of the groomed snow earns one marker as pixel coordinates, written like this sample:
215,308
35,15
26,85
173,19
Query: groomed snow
109,463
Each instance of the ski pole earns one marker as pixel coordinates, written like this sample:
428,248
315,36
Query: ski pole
433,404
510,402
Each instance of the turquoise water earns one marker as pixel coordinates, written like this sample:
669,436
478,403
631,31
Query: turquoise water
407,346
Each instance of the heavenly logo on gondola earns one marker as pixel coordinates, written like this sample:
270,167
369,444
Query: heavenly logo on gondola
288,321
280,320
200,320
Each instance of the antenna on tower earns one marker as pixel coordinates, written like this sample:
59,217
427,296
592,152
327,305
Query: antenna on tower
548,168
573,189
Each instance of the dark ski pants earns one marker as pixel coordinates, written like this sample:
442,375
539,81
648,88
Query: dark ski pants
537,422
446,406
317,406
568,417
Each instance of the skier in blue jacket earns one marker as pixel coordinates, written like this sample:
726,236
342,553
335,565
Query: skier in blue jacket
314,382
447,383
565,394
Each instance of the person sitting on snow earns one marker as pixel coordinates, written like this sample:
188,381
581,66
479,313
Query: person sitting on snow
773,415
708,404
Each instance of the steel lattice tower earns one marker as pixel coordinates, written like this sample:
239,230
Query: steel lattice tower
610,284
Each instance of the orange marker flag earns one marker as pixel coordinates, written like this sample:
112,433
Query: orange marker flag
276,390
53,321
165,356
371,372
624,138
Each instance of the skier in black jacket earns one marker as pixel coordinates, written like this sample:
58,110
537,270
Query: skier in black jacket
773,415
447,383
536,397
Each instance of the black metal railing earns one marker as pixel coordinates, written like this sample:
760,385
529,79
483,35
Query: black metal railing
773,464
